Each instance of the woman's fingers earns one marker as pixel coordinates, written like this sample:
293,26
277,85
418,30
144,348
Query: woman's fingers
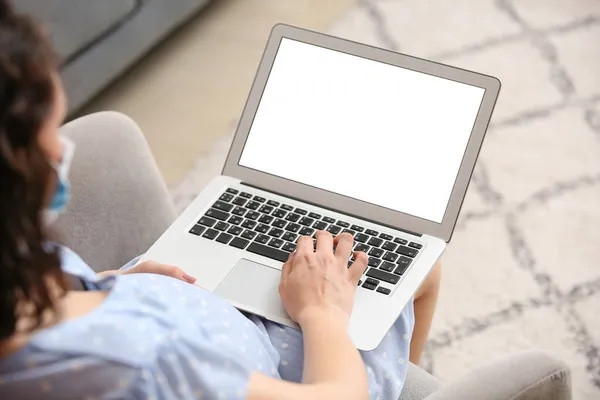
358,267
343,247
324,242
305,246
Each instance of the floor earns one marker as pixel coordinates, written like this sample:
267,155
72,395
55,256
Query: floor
191,89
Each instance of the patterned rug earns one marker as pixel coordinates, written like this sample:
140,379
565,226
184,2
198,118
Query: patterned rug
523,268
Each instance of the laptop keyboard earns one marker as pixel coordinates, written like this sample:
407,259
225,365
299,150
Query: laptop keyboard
270,228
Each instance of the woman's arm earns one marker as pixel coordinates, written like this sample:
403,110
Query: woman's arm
318,292
151,267
333,368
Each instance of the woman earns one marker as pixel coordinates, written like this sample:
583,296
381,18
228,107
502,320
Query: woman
146,332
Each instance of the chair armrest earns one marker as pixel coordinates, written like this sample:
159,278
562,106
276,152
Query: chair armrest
532,375
419,384
120,204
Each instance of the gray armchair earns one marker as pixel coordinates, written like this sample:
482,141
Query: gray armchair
121,205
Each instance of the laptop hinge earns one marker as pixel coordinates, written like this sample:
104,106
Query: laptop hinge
333,209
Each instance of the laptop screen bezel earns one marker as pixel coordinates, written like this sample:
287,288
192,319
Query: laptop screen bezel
344,204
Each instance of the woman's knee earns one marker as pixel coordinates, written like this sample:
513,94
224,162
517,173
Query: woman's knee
432,282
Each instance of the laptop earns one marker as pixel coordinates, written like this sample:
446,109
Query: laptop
344,137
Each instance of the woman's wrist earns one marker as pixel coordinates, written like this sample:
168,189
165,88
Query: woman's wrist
322,314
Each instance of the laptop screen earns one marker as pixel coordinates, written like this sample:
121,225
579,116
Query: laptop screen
375,132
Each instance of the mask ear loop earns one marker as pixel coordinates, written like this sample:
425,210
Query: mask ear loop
67,156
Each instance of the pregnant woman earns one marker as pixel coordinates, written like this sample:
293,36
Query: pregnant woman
147,332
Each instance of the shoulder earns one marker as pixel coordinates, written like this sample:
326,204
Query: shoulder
71,263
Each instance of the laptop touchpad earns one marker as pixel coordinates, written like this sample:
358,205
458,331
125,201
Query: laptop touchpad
254,287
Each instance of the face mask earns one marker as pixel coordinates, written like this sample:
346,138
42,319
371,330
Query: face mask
62,192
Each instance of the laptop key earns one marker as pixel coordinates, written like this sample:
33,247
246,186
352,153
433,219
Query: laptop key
240,201
266,219
224,238
361,247
319,225
266,209
376,252
329,220
219,205
400,241
246,195
357,228
359,282
389,256
292,227
276,243
385,236
273,203
383,276
375,242
305,231
350,231
239,243
210,234
279,213
374,262
407,251
232,191
252,205
343,224
226,197
262,228
275,232
269,252
415,245
306,221
334,230
300,211
360,237
389,246
403,264
253,215
314,215
279,223
235,230
383,290
287,246
387,266
372,281
292,217
221,226
217,214
239,211
259,199
249,224
264,239
290,237
207,221
235,220
369,286
249,234
287,207
371,232
197,230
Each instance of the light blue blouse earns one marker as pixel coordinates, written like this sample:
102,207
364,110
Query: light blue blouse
159,338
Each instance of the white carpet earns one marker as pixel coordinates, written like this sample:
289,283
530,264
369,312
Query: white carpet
523,268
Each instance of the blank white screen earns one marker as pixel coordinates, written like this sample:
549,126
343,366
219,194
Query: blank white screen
363,129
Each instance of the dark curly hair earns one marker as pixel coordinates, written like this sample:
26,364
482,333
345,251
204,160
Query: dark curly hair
31,280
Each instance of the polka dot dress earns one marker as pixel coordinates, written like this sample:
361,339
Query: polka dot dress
158,338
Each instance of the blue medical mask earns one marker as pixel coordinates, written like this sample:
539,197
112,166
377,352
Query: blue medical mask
62,192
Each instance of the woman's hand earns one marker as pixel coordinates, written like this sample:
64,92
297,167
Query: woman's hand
317,281
153,267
